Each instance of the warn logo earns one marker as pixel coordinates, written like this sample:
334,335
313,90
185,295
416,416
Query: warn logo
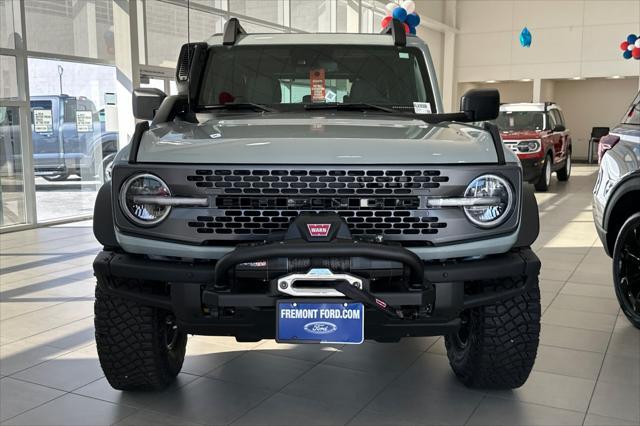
318,229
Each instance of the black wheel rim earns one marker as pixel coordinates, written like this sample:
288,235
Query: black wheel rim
628,265
171,332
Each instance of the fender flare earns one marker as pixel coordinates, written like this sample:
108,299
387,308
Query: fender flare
628,184
103,225
530,219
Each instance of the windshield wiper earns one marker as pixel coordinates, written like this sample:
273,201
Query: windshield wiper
241,105
348,107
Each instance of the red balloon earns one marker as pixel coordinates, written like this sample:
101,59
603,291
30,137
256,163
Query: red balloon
636,53
624,45
406,28
385,21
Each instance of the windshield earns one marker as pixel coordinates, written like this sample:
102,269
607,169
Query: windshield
516,121
306,74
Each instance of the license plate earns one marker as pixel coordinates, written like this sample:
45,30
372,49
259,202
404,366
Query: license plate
319,322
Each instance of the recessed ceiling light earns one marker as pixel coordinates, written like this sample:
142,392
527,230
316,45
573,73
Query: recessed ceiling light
491,81
577,78
615,77
525,79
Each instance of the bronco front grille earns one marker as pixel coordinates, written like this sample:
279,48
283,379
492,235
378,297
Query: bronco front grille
320,182
252,203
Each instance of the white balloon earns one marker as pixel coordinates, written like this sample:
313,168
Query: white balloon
637,43
390,8
409,6
631,46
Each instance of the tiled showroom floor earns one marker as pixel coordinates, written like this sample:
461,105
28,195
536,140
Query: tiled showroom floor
587,370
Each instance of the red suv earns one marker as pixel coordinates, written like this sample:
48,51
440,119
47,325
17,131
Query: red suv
537,134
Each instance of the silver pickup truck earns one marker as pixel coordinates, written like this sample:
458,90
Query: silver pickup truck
310,188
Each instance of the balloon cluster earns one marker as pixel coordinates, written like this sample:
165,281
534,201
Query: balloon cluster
404,13
631,47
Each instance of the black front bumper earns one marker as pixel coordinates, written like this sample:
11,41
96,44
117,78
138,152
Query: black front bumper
201,306
532,169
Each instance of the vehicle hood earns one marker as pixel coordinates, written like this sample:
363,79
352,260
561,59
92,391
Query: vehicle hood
529,134
340,138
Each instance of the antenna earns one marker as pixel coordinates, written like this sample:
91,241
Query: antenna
232,29
397,31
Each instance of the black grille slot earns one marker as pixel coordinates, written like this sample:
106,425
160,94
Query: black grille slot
317,182
373,222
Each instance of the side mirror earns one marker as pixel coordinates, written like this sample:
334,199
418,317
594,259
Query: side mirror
559,128
605,144
481,104
146,102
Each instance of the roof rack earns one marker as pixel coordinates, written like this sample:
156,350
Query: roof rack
231,31
396,29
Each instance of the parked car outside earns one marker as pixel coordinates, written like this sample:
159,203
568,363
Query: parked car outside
537,133
616,207
69,137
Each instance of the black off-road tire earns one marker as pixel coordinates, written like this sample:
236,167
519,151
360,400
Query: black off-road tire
544,181
564,173
626,268
497,344
138,348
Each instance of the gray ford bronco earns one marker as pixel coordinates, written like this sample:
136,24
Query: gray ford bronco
310,188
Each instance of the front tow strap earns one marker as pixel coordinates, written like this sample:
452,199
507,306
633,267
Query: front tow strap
368,299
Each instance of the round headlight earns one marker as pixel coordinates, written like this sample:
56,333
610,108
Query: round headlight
492,201
529,146
137,199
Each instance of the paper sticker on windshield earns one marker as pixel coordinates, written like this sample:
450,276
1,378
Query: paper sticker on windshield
330,96
42,121
422,107
317,81
84,121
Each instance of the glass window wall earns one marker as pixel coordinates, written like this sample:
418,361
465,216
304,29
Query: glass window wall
75,28
8,77
10,29
72,140
12,194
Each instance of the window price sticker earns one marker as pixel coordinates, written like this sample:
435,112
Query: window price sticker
422,107
42,121
84,121
317,81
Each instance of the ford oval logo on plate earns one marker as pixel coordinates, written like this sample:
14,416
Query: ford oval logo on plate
320,327
302,321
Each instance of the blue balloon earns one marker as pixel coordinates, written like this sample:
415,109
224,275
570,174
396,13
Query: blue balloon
400,14
412,30
626,54
525,37
631,38
413,20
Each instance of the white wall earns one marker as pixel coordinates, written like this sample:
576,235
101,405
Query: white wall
434,40
510,91
592,103
435,10
570,38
